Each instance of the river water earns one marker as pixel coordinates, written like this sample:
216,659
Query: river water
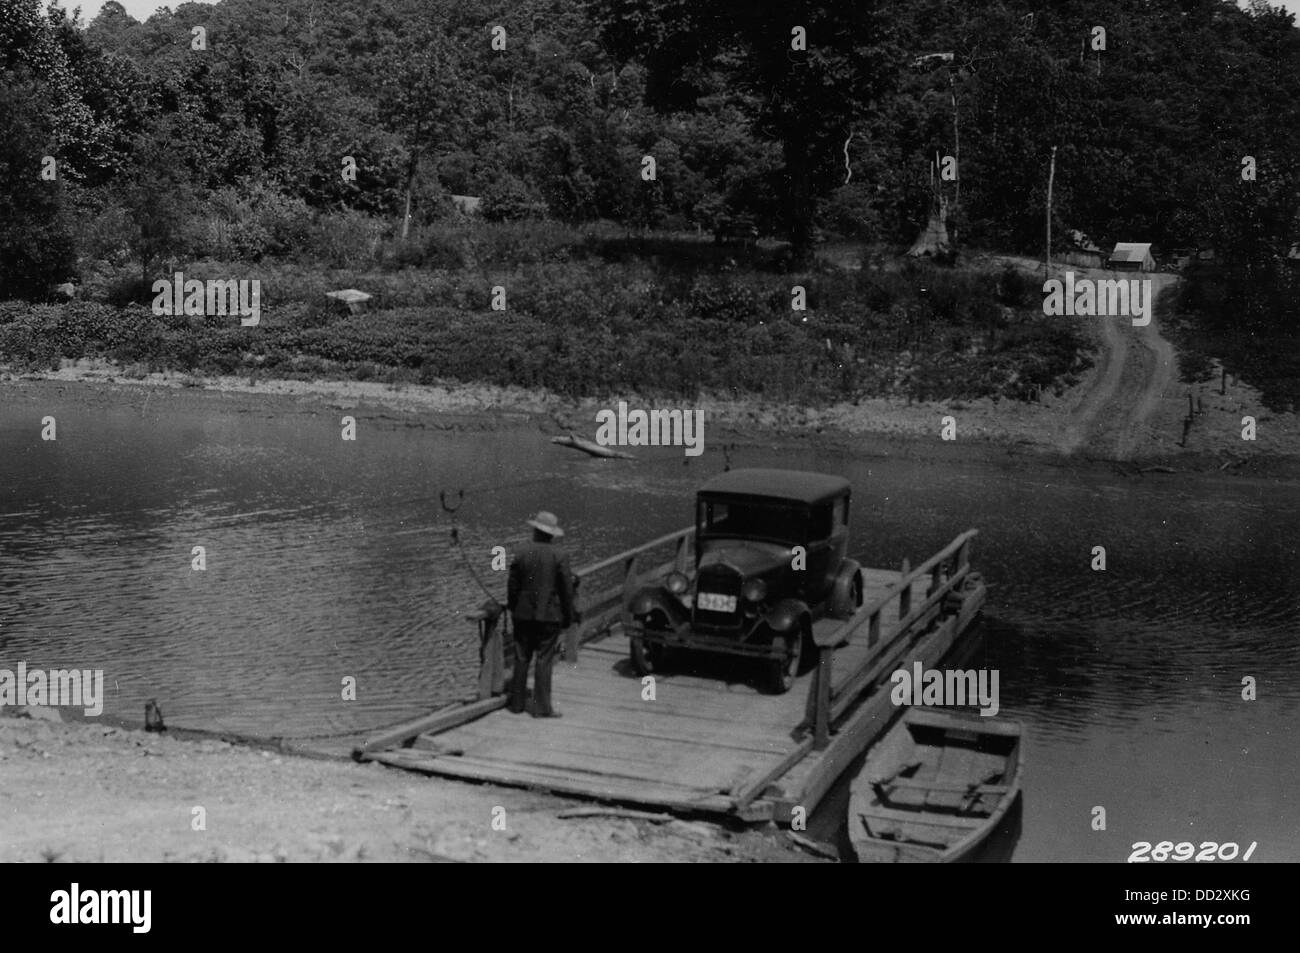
328,559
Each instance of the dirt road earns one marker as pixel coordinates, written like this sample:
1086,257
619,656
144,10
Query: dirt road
1136,371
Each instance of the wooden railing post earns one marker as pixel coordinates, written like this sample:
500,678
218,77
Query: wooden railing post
491,650
905,596
873,629
936,574
822,729
629,576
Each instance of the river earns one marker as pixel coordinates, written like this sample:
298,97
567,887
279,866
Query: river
328,559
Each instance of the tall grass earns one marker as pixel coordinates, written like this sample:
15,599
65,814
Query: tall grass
581,321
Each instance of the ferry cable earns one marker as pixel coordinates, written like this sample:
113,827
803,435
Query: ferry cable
278,741
460,547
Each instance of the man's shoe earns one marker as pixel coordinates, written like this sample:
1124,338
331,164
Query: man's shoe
514,711
548,714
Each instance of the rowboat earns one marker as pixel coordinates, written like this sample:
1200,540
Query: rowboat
935,787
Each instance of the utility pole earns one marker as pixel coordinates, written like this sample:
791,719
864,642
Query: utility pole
1051,177
956,144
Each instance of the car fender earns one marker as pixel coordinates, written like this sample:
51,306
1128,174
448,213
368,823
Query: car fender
841,604
787,616
649,599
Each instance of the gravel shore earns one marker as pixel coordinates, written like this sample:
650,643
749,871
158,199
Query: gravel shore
88,792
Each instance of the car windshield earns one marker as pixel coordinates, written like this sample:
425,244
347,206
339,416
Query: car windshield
781,522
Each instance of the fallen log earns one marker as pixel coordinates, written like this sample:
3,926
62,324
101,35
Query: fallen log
588,447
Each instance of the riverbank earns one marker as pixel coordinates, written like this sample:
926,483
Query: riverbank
1076,428
88,792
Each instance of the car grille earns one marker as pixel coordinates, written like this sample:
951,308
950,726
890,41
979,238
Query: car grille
718,580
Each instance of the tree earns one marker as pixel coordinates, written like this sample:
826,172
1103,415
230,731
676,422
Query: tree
36,249
815,68
158,196
426,97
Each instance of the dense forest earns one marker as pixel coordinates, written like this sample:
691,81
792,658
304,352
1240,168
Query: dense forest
225,134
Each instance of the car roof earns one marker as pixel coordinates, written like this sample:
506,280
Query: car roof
777,484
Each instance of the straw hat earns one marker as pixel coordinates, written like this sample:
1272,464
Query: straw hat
547,523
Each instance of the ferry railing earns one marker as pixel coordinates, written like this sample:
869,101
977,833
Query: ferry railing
621,575
827,700
618,577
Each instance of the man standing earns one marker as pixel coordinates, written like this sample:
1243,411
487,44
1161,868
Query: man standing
540,598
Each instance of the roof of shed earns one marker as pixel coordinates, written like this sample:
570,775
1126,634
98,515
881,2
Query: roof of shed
1131,251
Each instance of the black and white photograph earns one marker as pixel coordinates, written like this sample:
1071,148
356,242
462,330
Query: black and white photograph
650,431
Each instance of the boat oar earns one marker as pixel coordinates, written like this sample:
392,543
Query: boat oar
974,794
881,785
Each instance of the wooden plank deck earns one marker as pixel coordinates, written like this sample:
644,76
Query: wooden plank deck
707,734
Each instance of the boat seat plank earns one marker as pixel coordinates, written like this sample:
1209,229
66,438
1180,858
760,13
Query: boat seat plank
919,818
954,786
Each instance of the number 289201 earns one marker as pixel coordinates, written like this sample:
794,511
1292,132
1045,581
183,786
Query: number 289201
1145,852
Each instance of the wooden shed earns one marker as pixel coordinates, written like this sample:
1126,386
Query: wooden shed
467,204
1082,251
1132,256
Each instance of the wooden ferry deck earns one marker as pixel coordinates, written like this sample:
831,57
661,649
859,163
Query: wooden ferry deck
710,741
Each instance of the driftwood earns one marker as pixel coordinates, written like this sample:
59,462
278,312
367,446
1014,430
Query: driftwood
814,846
587,446
682,827
435,858
615,812
696,830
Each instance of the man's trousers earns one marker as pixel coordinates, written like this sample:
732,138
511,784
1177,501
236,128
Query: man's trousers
540,639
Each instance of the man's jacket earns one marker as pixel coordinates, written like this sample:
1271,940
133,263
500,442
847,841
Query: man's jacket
541,586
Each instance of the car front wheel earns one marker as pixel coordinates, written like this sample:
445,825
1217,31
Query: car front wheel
782,672
647,657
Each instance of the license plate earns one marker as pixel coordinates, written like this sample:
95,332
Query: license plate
714,602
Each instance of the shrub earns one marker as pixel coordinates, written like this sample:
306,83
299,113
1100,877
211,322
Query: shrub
1017,288
510,199
128,288
343,239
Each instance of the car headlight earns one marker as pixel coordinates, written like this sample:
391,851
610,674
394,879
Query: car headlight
677,583
754,591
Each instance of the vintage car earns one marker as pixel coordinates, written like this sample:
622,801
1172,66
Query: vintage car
769,560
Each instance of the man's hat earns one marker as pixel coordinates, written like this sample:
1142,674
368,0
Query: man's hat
547,523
